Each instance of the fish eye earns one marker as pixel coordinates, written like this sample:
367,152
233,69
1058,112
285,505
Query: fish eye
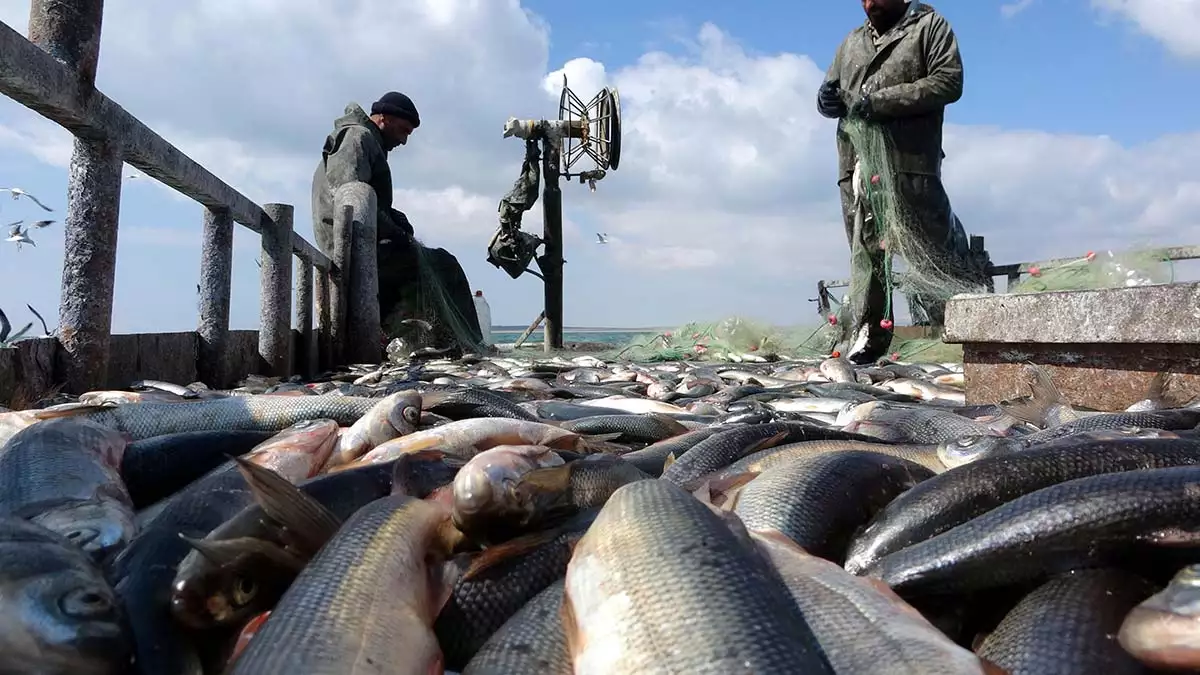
84,603
244,590
411,414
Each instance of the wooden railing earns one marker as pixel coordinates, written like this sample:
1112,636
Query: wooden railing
53,73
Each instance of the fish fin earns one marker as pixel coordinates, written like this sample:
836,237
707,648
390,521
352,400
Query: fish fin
403,471
553,479
597,443
222,552
304,517
443,576
1045,394
244,636
1156,386
730,488
668,461
70,410
765,443
495,555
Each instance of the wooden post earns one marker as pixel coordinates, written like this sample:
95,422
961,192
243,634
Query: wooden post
307,348
364,335
529,331
275,294
216,275
552,261
70,32
324,320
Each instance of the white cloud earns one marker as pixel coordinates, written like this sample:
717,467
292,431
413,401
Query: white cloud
1010,9
1171,22
725,201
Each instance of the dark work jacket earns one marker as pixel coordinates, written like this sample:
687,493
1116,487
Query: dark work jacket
914,73
354,152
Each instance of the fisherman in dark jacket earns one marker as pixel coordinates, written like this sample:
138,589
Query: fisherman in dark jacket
357,150
899,70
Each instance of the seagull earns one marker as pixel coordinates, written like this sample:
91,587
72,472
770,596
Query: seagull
133,176
43,223
18,236
17,193
601,238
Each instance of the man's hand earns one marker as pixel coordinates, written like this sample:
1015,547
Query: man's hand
862,109
829,100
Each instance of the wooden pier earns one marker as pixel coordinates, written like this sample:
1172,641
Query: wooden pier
52,71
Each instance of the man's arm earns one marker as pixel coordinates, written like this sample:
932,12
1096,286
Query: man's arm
942,86
348,163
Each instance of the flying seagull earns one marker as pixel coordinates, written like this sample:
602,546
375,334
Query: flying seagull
18,236
42,223
601,238
17,193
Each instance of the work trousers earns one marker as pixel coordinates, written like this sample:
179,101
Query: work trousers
923,198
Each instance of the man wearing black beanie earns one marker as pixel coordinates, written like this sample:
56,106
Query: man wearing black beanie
357,150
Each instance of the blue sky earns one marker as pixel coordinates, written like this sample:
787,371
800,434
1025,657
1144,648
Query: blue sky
1077,130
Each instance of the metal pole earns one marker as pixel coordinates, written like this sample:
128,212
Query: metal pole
552,260
275,292
70,32
216,274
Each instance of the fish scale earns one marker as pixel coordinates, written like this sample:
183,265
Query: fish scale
480,606
669,581
346,611
819,501
248,413
1070,625
971,490
1081,523
532,641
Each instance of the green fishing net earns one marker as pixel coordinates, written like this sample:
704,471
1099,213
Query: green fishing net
427,300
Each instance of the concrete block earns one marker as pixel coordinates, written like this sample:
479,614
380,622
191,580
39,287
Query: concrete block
1160,314
1101,347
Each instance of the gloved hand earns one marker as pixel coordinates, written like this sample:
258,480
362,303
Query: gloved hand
829,100
863,109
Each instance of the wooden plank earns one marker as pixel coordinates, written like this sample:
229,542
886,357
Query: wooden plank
27,372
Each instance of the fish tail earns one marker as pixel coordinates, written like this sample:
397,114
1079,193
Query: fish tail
1045,395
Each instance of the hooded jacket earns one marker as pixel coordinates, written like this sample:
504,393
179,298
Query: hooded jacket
354,152
911,73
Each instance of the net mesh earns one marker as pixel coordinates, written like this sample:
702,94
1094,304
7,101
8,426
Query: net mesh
895,246
737,339
430,299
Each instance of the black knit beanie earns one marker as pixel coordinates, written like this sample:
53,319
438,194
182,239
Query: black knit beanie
397,105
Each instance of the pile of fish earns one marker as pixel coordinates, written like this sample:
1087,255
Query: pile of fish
491,516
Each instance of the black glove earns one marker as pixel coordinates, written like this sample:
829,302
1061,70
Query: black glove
863,109
829,100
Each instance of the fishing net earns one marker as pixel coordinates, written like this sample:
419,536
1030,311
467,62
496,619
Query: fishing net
439,296
1106,269
737,339
903,239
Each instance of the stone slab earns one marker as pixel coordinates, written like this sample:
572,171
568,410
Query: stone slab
1108,377
1160,314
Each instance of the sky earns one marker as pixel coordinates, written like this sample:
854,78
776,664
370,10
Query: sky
1077,131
